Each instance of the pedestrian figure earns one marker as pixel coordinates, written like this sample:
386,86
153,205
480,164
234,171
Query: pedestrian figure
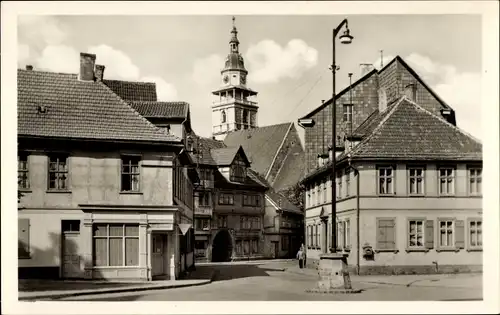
301,255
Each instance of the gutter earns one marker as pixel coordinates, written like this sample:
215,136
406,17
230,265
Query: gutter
356,172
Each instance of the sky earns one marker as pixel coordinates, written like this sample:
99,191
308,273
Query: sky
287,56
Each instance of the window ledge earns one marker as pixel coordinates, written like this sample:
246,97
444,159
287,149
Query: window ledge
395,251
416,195
479,249
417,250
131,193
24,190
447,196
386,195
54,191
116,267
24,257
447,250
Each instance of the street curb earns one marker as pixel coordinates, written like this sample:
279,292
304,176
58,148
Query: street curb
118,290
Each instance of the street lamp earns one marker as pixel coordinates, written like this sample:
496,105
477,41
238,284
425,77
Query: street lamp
345,38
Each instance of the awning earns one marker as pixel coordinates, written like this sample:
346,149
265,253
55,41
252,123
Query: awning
184,227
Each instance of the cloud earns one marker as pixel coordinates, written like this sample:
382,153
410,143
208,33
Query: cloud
165,91
58,58
268,62
206,71
23,54
460,90
40,28
118,64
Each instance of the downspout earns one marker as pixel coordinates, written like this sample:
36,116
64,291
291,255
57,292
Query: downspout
358,247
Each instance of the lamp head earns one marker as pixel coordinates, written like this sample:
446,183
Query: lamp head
346,38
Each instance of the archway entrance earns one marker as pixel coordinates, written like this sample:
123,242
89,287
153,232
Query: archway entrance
222,247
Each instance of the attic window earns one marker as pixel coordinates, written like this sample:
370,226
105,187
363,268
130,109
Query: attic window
42,109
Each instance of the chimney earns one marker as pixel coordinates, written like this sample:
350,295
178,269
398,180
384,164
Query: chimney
382,100
87,63
29,67
411,91
99,72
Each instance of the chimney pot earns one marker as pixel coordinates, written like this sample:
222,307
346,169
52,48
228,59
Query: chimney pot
87,64
99,72
29,67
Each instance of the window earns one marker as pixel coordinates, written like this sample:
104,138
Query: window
23,171
226,199
475,233
58,172
446,181
320,193
251,200
203,224
316,236
347,112
23,241
238,171
246,247
347,182
324,192
347,234
416,177
308,198
130,173
386,234
385,180
284,242
204,199
339,185
116,244
245,116
310,235
446,233
475,179
223,116
416,233
70,226
238,247
222,221
313,189
340,235
255,246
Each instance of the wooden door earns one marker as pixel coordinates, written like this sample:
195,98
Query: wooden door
158,255
71,259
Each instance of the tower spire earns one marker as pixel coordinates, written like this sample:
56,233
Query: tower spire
234,42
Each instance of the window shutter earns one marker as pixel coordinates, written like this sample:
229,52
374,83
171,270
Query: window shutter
380,235
429,234
459,234
390,235
23,249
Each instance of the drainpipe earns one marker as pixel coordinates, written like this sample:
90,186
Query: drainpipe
358,247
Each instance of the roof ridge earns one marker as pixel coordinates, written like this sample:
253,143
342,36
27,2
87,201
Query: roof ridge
49,72
128,81
156,129
380,124
442,120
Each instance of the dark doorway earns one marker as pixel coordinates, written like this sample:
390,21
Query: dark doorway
222,247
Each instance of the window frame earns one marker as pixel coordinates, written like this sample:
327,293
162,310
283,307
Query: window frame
453,177
108,237
25,171
347,111
478,179
392,168
226,196
411,168
347,173
339,184
452,246
471,247
130,173
394,221
408,235
58,157
223,219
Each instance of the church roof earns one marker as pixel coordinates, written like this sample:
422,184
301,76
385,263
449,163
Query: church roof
151,109
133,91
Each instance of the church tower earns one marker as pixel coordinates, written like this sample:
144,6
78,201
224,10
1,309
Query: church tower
234,109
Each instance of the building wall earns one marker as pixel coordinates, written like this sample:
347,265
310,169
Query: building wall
95,178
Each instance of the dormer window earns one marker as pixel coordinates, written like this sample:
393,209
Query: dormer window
238,171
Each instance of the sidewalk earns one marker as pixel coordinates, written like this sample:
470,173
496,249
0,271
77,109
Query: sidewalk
465,280
57,289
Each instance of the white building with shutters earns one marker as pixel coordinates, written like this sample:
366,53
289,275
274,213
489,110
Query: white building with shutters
408,195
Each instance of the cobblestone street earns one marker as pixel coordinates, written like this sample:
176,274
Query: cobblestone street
251,282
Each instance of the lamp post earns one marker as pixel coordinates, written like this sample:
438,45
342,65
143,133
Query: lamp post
345,38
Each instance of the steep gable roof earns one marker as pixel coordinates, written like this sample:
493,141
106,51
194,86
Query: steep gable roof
133,91
280,202
251,182
260,144
152,109
225,156
291,173
411,132
78,109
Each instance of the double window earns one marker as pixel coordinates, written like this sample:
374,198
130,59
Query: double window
226,199
386,180
416,234
222,221
58,172
416,180
203,224
251,200
116,244
475,233
475,181
446,181
204,199
130,173
23,171
249,223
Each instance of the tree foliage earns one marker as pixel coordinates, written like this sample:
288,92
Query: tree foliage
295,194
